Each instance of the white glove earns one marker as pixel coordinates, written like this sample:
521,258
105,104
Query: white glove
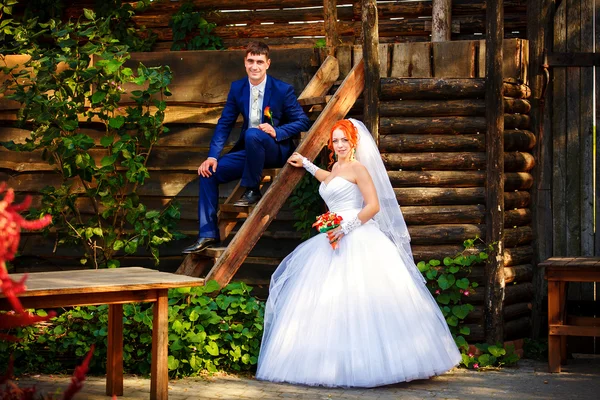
349,226
309,166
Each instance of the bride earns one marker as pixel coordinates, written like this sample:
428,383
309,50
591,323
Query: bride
359,315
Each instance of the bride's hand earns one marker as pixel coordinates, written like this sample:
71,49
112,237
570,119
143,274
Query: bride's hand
335,235
295,160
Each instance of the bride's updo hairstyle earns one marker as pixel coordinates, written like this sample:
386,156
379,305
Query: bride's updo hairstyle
350,132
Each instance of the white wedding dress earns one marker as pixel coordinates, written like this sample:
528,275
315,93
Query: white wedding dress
354,316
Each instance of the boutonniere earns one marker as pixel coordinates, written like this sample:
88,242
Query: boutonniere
269,114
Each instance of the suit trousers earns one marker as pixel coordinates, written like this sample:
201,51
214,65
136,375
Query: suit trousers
260,151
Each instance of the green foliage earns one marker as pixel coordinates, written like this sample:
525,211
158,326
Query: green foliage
490,356
53,102
449,283
191,31
122,26
320,44
211,333
6,7
306,204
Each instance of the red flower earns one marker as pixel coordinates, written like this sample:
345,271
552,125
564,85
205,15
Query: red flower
269,114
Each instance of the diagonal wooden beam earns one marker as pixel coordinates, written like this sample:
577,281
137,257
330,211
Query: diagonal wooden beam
267,208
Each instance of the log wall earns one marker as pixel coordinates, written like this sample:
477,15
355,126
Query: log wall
432,140
301,22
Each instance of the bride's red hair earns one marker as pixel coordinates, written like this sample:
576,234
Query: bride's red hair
350,132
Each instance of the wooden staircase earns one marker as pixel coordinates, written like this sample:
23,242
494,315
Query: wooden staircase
226,260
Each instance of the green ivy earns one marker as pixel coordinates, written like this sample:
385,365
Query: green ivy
449,283
53,102
191,30
306,205
122,25
490,356
220,331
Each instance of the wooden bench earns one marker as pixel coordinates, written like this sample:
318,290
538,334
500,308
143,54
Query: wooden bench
113,287
559,271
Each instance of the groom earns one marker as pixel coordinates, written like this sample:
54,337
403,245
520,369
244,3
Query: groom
265,140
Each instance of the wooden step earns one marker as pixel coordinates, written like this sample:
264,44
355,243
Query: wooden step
311,101
215,252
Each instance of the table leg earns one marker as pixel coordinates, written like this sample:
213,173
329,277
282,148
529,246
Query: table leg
114,363
553,319
563,320
159,379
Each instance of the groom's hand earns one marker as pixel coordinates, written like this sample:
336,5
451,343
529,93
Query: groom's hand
208,167
268,129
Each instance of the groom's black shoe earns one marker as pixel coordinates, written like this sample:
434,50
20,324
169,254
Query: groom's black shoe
250,197
200,245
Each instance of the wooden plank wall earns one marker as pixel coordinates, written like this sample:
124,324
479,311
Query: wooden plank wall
300,22
200,85
432,139
574,221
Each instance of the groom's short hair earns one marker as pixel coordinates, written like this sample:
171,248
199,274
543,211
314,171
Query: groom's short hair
257,49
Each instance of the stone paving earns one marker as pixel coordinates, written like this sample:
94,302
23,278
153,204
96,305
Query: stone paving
530,380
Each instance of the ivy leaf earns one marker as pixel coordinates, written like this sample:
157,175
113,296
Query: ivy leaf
118,245
113,264
89,14
131,246
212,349
98,96
98,232
172,363
116,122
460,311
446,281
496,351
108,160
152,214
465,330
443,298
107,140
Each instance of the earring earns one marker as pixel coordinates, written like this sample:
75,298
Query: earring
352,156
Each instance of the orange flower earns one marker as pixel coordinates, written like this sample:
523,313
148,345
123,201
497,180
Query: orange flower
269,114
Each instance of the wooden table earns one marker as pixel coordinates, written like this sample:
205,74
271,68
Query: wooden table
559,271
113,287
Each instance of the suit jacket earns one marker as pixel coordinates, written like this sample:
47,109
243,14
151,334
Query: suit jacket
288,117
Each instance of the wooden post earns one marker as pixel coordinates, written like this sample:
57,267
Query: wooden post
372,73
114,359
159,370
330,19
494,271
538,34
441,28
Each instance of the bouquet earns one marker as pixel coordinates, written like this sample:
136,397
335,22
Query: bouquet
326,222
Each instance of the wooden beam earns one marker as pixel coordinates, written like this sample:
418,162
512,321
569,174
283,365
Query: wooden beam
441,24
372,72
494,269
323,79
330,19
538,34
573,59
266,209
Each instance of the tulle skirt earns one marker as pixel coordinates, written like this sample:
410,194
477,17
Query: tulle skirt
352,317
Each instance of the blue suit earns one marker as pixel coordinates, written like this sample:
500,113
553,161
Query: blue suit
254,150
